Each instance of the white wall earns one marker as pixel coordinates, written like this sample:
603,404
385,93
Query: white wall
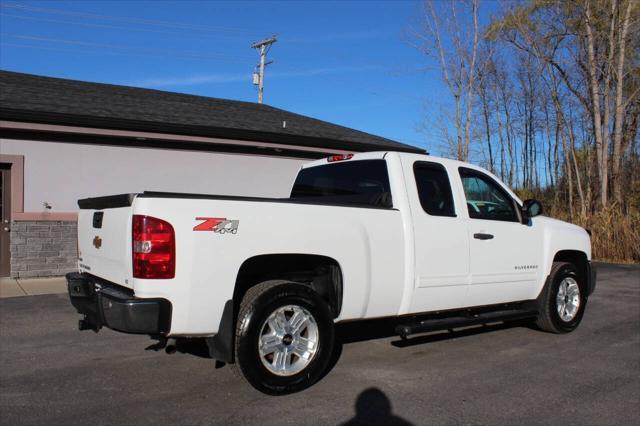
61,173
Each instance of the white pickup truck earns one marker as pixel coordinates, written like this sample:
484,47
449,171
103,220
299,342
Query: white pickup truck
429,243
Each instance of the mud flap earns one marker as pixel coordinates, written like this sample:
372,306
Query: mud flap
221,345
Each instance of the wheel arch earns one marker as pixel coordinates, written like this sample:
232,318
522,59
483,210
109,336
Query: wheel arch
322,273
577,258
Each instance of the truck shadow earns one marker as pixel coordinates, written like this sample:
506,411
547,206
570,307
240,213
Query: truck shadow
195,347
360,331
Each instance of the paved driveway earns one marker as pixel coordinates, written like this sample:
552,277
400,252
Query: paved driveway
50,373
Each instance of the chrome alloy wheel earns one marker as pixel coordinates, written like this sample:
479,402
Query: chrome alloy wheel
288,340
568,299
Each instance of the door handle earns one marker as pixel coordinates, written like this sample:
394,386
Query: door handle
481,236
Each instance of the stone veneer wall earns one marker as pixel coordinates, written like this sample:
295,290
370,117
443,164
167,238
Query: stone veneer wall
43,248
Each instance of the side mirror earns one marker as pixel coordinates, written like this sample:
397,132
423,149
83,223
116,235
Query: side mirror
531,208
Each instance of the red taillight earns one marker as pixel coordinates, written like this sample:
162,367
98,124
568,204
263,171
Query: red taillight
339,157
154,248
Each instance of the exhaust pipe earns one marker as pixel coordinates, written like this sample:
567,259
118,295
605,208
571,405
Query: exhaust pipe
172,346
87,324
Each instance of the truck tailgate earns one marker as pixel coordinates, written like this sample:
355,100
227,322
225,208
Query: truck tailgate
104,238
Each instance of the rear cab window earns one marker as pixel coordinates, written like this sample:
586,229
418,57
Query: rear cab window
434,189
360,182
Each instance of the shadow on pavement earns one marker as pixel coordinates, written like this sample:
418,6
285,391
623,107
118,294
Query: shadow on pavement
195,346
453,334
373,407
357,331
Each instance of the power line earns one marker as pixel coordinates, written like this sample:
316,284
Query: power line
160,52
138,21
107,52
263,46
114,27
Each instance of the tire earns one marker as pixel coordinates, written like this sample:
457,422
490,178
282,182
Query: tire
284,337
558,314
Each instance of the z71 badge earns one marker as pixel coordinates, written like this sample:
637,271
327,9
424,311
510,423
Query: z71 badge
220,225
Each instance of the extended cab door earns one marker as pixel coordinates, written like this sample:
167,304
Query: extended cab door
504,253
441,239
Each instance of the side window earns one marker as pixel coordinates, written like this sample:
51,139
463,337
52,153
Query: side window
434,189
485,198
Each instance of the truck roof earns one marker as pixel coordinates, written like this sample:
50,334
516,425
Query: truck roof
378,155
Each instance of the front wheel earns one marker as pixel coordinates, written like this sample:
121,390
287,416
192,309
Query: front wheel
284,337
563,300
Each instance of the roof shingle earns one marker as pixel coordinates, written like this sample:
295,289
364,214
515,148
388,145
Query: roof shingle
70,102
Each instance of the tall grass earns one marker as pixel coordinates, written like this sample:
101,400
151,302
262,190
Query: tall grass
615,233
615,230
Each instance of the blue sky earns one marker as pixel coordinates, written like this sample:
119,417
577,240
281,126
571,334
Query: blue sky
347,62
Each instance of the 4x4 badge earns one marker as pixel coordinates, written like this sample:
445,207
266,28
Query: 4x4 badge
220,225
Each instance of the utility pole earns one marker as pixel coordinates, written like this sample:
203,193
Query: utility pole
264,46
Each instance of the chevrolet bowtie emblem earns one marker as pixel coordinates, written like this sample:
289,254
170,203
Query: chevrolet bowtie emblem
97,242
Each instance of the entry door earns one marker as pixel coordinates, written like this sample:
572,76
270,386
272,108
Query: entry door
504,253
441,240
5,218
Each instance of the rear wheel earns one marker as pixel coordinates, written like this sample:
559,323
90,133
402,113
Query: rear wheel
284,337
563,300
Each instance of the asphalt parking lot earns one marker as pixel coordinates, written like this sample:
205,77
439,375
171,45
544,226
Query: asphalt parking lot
51,373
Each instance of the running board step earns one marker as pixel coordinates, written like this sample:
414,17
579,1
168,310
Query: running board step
436,324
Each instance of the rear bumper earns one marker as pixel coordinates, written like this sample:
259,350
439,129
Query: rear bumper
591,278
107,304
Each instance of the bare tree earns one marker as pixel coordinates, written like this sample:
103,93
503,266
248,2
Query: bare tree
600,131
620,104
483,92
547,95
445,37
585,43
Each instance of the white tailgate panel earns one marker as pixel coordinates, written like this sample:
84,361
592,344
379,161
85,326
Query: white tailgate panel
112,260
